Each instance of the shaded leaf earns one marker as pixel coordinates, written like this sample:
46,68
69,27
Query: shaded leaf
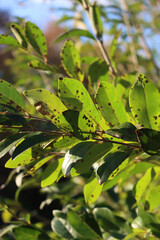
8,40
144,100
150,140
75,32
111,162
26,233
92,190
7,144
111,108
18,33
81,226
98,71
52,173
36,38
83,155
29,141
125,131
71,62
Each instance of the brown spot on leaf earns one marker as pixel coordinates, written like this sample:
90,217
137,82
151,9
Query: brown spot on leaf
41,107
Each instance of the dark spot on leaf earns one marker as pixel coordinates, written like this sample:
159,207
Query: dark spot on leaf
146,81
109,104
61,78
64,91
84,117
81,93
136,115
138,109
92,195
77,91
155,117
155,123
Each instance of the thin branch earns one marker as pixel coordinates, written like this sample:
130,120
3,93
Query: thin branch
128,28
121,143
100,42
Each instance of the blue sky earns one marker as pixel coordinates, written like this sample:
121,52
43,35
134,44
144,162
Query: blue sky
38,11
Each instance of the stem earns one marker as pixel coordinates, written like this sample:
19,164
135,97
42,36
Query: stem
100,42
121,143
128,27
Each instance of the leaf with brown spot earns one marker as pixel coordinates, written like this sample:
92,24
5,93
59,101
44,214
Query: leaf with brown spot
144,101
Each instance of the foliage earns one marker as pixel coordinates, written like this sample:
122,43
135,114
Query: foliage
100,130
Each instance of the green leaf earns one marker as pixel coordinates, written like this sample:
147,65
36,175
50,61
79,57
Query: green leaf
143,183
98,71
7,144
10,96
96,20
107,220
36,38
29,141
21,160
47,103
36,64
153,196
71,62
110,104
150,140
144,100
52,173
62,227
111,162
81,226
114,44
125,131
128,171
75,33
8,40
83,155
40,163
92,190
18,33
75,97
26,233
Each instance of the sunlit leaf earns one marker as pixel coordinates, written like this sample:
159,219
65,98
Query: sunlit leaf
75,97
18,32
92,190
71,62
36,64
10,96
47,103
52,173
40,163
110,104
21,160
96,19
144,102
76,33
8,40
36,38
143,183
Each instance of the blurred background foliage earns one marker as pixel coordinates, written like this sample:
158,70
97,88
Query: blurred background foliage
131,36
